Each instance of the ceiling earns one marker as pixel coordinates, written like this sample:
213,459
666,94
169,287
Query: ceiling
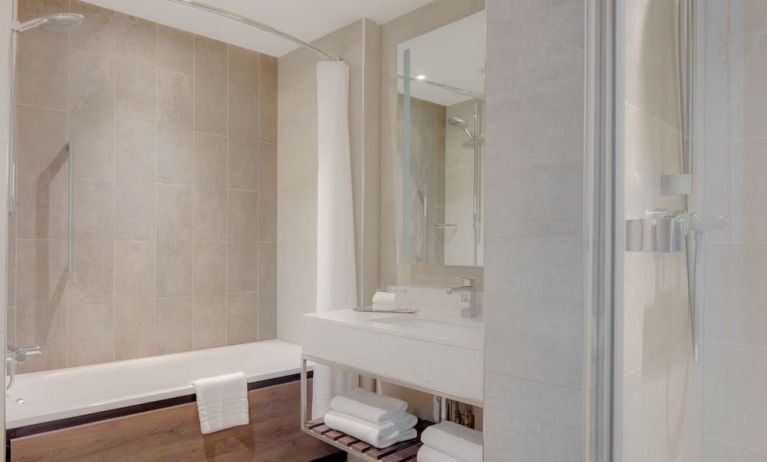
306,19
453,55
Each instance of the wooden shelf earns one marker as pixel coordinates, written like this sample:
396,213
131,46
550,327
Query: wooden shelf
405,451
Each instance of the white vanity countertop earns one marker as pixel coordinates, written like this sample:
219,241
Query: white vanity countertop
455,332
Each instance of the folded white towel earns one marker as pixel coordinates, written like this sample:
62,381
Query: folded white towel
455,440
378,435
368,406
222,402
429,454
385,299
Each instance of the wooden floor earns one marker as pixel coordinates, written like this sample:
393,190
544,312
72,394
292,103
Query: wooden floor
173,435
406,451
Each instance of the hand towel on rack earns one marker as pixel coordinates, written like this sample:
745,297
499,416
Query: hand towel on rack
379,435
455,440
429,454
222,402
368,406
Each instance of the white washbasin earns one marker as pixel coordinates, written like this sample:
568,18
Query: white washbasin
442,354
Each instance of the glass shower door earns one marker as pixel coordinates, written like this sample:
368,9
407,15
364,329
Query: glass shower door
693,369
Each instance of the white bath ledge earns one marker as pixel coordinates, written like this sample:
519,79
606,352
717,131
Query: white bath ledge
64,393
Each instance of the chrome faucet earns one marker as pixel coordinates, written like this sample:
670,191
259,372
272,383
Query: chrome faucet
470,298
16,355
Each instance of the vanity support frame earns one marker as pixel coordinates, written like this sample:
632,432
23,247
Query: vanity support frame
305,411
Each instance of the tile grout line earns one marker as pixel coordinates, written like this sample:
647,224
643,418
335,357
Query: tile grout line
228,244
114,184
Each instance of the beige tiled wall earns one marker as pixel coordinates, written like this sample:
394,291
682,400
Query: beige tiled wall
535,240
407,26
358,44
173,139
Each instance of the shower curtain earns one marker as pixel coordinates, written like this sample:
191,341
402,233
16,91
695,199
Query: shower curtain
336,270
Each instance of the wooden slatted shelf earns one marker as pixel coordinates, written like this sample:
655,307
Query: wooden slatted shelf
405,451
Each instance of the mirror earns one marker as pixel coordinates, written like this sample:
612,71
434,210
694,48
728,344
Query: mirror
441,105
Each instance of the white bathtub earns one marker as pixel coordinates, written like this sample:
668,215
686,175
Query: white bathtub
53,395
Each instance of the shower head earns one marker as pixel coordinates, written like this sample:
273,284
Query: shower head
460,123
56,19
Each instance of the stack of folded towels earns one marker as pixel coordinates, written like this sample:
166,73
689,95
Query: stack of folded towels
375,419
450,442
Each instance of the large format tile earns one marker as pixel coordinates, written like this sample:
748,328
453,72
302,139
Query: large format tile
267,291
209,313
42,58
91,282
210,190
531,422
136,90
92,84
135,299
96,34
174,240
90,333
42,180
268,99
210,85
41,298
244,67
537,332
136,39
243,238
136,162
175,326
92,145
175,125
267,192
242,318
243,138
735,293
734,380
175,50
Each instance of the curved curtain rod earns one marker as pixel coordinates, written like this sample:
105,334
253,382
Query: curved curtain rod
258,25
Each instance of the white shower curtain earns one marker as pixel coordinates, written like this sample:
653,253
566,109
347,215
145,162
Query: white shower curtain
336,271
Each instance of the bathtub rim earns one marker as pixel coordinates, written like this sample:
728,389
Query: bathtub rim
123,411
288,365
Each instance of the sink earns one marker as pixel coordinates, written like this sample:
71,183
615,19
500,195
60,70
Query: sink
443,354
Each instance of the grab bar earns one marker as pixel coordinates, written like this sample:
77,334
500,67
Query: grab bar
71,209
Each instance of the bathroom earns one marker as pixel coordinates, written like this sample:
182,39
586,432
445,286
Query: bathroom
402,230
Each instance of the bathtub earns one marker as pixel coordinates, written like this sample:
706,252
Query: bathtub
41,398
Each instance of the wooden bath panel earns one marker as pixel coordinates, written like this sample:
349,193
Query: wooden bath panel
172,434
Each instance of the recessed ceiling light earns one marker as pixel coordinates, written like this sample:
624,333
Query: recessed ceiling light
420,77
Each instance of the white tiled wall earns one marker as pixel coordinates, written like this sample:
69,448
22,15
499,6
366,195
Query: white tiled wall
535,246
734,293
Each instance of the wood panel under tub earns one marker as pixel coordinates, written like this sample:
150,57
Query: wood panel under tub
172,433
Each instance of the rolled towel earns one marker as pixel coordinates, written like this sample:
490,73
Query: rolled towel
428,454
379,436
385,299
222,402
368,406
455,440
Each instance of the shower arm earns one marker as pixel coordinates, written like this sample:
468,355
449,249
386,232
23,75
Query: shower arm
256,24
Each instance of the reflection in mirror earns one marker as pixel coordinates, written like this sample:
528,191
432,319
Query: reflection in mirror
441,117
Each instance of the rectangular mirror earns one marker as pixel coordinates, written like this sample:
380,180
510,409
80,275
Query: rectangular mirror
441,106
